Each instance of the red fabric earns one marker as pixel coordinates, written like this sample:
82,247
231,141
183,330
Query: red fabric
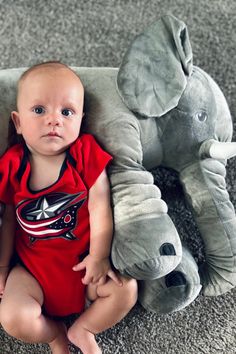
53,224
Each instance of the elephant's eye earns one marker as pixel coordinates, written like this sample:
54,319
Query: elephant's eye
201,116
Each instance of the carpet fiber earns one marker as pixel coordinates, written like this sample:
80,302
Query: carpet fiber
97,33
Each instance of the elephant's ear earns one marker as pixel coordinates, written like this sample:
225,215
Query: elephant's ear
154,71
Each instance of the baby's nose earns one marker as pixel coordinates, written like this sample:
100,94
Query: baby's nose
54,119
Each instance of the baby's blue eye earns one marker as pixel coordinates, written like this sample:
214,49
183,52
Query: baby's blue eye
66,112
38,110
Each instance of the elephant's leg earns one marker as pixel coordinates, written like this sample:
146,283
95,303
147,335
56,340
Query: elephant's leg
174,291
146,247
205,187
146,244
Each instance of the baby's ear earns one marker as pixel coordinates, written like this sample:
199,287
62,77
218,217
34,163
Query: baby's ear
16,120
83,117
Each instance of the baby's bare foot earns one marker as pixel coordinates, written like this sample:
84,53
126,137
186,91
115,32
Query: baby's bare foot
60,344
85,340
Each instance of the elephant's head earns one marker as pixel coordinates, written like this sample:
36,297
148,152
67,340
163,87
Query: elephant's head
157,79
194,129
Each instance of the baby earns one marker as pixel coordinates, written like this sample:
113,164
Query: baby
54,183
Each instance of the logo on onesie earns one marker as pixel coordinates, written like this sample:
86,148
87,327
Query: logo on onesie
51,216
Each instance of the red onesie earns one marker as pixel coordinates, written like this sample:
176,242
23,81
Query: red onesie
53,223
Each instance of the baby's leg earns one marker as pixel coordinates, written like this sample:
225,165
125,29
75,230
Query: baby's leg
112,303
21,313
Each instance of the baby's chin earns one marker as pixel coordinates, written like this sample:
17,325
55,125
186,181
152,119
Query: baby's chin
50,151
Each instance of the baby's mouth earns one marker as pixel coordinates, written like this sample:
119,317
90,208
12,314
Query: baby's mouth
53,134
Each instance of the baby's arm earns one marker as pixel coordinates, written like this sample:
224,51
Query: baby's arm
97,263
7,233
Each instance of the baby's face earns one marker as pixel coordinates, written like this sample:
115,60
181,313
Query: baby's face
50,110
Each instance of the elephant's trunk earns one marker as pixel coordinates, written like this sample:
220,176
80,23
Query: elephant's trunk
205,187
217,149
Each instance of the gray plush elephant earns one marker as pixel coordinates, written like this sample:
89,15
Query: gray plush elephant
159,109
176,117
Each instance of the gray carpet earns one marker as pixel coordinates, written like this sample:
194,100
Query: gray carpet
97,33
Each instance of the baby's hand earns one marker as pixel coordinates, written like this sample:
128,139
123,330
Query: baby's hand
3,277
96,270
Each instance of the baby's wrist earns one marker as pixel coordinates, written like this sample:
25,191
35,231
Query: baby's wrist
99,258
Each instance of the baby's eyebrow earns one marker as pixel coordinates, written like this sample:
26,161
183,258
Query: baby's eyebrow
73,104
37,102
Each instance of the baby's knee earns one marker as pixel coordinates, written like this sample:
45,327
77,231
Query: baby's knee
16,321
9,318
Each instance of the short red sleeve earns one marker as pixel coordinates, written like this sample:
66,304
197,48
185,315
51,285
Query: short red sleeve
6,170
94,159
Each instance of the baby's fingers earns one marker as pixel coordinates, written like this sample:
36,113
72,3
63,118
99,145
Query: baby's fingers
102,280
87,279
79,266
114,277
